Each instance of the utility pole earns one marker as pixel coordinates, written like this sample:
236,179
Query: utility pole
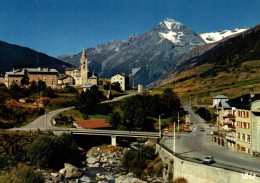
173,137
160,132
178,123
45,119
133,84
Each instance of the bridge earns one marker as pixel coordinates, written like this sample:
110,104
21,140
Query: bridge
112,133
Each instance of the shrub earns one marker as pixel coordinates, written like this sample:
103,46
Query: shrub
204,113
52,151
136,161
14,146
21,174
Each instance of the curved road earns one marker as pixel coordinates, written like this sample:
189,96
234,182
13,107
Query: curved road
42,123
197,144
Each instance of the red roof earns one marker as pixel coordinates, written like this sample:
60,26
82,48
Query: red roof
92,123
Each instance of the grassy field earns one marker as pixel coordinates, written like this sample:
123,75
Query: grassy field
232,83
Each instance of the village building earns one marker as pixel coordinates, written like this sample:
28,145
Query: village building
225,115
65,80
49,76
122,79
82,75
247,123
83,88
219,98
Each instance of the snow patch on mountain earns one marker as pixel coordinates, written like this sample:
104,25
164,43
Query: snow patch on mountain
174,37
217,36
168,25
134,71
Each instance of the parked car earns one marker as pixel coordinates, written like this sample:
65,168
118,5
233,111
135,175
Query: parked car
202,129
208,160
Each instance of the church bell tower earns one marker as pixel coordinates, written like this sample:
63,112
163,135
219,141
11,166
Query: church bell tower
84,68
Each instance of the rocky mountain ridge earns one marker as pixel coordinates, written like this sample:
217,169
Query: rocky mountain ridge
142,57
196,55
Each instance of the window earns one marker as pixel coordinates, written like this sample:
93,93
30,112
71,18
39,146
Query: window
248,150
239,113
247,114
248,138
244,114
238,135
248,125
243,137
238,147
244,125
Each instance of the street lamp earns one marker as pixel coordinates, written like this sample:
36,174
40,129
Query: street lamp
178,123
160,131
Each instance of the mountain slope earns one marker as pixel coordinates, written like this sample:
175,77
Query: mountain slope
14,56
232,64
144,57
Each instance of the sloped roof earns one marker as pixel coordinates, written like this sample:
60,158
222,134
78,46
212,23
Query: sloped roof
220,97
244,101
122,74
93,123
223,104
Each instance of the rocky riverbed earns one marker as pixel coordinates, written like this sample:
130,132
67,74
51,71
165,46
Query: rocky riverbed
103,165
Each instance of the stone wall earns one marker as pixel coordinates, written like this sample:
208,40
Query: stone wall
197,172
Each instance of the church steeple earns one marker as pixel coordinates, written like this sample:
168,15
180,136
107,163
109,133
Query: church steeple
84,68
83,56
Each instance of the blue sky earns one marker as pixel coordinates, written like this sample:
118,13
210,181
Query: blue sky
59,27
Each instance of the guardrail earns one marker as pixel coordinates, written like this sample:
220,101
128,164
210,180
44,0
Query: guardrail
217,165
110,132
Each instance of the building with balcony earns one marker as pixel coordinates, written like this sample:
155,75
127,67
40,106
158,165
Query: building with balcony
247,123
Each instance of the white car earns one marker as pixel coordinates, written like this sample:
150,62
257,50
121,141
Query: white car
208,160
202,129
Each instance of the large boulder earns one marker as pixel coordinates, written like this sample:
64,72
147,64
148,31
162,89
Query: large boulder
129,178
92,160
71,171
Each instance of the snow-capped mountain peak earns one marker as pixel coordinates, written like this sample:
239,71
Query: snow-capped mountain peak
218,35
169,23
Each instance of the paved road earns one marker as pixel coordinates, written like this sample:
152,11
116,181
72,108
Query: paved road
198,144
42,123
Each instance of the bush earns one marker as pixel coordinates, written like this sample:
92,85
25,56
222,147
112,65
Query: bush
52,151
22,174
14,146
204,113
136,161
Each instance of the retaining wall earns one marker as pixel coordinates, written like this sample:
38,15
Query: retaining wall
196,172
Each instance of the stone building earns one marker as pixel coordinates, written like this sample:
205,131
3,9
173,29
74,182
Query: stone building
122,79
49,76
